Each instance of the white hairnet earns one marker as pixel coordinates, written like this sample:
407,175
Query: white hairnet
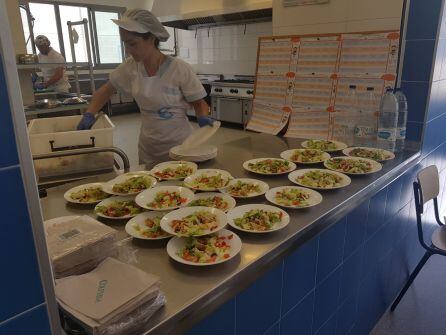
142,21
42,40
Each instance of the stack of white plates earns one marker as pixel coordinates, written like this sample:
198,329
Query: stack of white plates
197,154
193,148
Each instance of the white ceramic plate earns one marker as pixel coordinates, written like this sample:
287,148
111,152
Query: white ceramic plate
293,177
67,195
264,187
183,212
389,155
200,136
375,166
108,186
139,222
339,145
289,153
107,202
239,211
206,195
314,199
178,243
144,198
188,182
291,166
172,165
197,154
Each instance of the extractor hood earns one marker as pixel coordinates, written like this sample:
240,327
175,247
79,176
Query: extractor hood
192,14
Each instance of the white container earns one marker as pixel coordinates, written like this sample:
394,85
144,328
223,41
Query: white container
387,122
58,134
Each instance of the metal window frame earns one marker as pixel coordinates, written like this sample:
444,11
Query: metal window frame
91,8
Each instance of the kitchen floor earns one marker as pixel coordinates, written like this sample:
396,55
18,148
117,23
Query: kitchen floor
422,310
127,132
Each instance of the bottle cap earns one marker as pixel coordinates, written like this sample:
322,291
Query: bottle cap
352,86
370,89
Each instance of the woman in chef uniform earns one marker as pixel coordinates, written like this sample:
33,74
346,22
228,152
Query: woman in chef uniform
163,87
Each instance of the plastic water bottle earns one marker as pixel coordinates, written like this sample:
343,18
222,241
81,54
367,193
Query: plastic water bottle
387,122
366,126
402,120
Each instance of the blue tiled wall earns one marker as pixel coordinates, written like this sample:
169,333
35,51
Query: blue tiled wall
22,303
343,280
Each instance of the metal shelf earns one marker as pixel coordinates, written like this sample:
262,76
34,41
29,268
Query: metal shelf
41,65
56,109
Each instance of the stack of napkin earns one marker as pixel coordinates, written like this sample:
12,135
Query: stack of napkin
76,245
107,295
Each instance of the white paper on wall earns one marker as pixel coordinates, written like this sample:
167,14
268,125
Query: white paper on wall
268,119
304,124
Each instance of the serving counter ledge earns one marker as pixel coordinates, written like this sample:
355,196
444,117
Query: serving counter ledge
195,292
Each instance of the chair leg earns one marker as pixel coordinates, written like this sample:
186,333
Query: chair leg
411,279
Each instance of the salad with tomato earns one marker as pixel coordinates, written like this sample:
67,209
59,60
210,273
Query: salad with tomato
292,197
133,185
91,194
214,202
258,220
243,189
166,199
321,145
206,249
118,209
270,166
179,172
354,166
151,228
307,156
195,224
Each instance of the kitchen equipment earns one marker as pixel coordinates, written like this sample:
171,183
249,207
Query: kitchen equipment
47,103
27,58
59,134
231,99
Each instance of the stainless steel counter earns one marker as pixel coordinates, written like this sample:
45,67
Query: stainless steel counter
194,292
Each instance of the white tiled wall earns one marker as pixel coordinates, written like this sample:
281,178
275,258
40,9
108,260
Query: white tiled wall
225,50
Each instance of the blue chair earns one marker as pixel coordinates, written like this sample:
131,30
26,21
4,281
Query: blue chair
426,188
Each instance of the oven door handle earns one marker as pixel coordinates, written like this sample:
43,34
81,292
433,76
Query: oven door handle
229,98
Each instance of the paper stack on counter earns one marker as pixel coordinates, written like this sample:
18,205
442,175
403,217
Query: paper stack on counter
77,244
110,296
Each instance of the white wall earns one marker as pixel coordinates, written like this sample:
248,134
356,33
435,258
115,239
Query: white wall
227,49
337,16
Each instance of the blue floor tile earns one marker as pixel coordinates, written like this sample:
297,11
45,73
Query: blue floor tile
299,274
34,321
258,307
351,275
299,319
393,199
356,228
220,322
327,298
346,314
418,60
274,330
20,286
331,248
329,328
423,20
376,215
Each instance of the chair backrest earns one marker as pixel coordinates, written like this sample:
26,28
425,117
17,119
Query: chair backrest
429,184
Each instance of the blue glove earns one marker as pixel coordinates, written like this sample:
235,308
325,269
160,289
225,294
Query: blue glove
86,122
39,86
205,121
34,77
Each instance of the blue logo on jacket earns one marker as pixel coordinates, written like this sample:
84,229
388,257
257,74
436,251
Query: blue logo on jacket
164,113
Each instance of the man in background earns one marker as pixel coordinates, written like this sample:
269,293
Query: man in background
54,77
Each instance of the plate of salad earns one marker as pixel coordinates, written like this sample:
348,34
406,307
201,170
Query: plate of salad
173,170
269,166
146,226
352,165
208,179
86,194
245,188
207,250
305,156
376,154
193,221
324,145
164,198
129,184
118,208
319,179
293,197
258,218
217,200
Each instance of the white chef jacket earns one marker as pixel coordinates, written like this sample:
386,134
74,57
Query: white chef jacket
54,57
163,100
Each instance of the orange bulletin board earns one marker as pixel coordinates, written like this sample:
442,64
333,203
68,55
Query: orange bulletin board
304,80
